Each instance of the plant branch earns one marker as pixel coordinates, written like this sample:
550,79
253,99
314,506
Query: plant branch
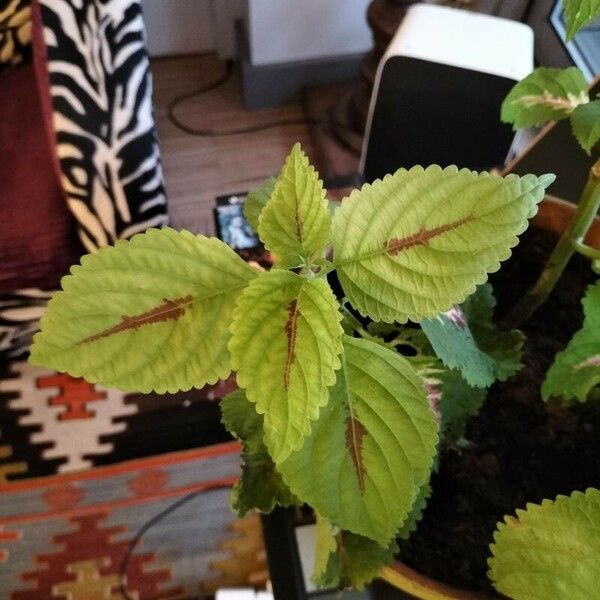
570,241
586,250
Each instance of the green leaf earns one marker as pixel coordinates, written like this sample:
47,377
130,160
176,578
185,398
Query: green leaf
579,13
585,122
327,571
576,370
458,402
550,550
286,338
416,512
260,486
372,447
415,243
256,200
545,95
148,314
466,338
344,559
295,221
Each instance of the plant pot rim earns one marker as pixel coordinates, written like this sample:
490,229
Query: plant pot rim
554,214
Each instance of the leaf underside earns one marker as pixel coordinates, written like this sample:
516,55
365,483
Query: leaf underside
550,550
543,96
286,338
260,486
148,314
372,447
415,243
579,13
466,338
576,370
295,224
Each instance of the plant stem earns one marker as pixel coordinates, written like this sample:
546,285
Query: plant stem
569,242
587,251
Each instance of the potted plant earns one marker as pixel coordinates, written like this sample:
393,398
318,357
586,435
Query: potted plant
360,354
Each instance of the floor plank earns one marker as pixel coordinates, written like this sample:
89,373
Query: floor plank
197,169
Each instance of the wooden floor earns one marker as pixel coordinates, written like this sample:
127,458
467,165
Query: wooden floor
197,169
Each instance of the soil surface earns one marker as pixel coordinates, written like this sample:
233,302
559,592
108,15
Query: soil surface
522,450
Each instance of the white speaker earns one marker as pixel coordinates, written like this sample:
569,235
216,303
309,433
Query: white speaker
438,91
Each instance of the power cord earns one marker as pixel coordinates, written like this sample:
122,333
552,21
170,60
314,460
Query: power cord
201,132
150,523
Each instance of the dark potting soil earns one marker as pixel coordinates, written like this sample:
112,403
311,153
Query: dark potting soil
522,450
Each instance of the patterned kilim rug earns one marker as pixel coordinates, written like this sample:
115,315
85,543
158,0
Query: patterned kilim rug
143,528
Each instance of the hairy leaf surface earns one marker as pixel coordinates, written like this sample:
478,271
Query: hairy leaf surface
585,122
466,338
344,559
148,314
415,243
576,370
550,550
295,221
257,200
579,13
260,486
545,95
372,447
286,338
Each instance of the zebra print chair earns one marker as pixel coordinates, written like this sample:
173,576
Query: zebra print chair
95,91
85,471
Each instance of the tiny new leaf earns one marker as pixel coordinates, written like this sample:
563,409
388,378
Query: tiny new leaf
286,338
372,447
466,338
576,370
148,314
415,243
579,13
260,486
585,123
545,95
295,224
257,200
344,559
550,550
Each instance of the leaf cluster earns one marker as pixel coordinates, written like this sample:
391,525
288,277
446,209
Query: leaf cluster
328,415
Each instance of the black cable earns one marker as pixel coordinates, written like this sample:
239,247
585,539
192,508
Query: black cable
227,132
153,521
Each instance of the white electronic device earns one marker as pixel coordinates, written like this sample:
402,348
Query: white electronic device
438,91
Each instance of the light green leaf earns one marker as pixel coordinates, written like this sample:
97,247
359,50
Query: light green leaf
466,338
372,447
585,122
327,571
415,243
545,95
260,486
576,370
579,13
416,512
256,200
550,551
286,338
295,221
344,559
148,314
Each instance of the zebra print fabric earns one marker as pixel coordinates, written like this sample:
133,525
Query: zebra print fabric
15,31
101,91
20,313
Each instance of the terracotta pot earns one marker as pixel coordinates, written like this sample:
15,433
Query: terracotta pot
554,215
